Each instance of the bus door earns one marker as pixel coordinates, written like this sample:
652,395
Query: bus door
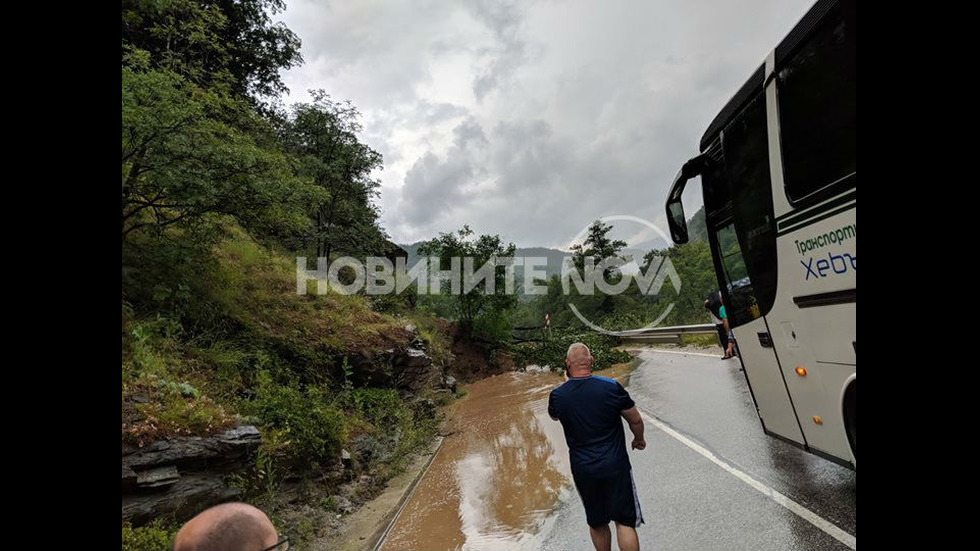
742,233
753,338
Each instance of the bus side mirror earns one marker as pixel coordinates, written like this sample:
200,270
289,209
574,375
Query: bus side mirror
675,208
677,222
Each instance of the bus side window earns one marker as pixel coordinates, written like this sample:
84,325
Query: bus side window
740,299
817,111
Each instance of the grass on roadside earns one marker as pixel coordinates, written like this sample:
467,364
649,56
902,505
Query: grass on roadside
699,341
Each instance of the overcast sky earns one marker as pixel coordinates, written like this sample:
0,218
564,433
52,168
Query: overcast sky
530,119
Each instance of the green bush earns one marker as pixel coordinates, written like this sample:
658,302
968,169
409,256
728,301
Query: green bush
394,426
494,326
381,407
155,536
305,417
552,351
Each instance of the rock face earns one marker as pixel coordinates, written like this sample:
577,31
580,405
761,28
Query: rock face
408,368
414,370
183,476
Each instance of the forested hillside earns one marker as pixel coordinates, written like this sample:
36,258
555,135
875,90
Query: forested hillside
222,187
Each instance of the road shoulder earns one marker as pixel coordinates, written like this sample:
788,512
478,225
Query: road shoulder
365,527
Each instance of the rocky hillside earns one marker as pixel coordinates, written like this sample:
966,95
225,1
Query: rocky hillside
235,386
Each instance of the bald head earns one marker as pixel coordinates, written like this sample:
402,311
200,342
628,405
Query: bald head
227,527
578,360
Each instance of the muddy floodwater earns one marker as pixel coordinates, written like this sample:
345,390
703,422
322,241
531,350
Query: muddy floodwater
499,475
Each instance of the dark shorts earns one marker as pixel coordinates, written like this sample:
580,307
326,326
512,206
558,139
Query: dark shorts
612,498
722,336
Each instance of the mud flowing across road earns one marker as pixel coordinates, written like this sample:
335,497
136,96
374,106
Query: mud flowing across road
498,477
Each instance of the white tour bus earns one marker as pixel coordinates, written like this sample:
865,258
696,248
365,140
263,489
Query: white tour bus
778,170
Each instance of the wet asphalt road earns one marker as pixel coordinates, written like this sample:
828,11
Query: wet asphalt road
688,501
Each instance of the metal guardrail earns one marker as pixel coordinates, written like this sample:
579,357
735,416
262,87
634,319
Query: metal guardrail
667,334
652,334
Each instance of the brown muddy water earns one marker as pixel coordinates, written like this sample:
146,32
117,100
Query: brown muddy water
499,475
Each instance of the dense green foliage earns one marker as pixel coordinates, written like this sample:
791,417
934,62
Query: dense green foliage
152,537
305,416
221,189
227,44
476,309
323,137
191,154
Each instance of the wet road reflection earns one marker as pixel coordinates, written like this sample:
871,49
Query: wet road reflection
501,480
498,477
689,502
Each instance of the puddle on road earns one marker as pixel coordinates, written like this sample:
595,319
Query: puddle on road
498,477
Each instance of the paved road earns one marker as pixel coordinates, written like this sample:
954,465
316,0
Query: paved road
692,502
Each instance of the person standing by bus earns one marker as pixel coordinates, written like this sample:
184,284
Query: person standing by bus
720,318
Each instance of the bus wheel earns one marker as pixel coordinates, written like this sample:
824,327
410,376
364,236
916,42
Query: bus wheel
850,416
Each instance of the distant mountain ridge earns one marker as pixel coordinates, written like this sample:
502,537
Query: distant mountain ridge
554,257
697,231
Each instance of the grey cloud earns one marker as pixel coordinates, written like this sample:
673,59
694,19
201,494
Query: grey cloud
504,21
468,132
435,188
531,119
438,112
528,155
375,51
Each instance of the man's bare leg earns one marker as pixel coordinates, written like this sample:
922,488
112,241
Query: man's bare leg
601,538
626,538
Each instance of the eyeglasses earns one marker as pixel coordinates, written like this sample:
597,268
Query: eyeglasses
281,545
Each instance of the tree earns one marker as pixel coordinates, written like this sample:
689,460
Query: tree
194,144
477,303
185,158
231,44
323,136
601,247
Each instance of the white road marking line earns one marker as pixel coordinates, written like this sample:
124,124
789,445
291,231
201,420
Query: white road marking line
828,527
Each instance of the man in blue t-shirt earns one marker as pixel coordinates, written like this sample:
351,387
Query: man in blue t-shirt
589,408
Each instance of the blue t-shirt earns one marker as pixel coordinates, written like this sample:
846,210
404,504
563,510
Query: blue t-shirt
589,409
